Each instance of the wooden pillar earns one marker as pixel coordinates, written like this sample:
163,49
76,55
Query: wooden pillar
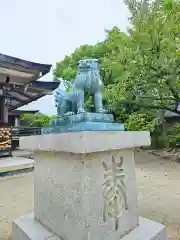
16,121
2,107
6,113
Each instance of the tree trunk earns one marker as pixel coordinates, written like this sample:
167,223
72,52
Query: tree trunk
164,130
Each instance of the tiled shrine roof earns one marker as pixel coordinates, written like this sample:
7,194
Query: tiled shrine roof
23,86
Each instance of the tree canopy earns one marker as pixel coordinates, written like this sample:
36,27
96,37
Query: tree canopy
140,68
34,120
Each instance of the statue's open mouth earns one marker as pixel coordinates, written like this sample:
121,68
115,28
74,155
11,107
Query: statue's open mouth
84,66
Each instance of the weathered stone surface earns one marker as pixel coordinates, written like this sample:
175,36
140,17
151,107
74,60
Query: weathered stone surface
147,230
69,191
26,228
85,142
85,187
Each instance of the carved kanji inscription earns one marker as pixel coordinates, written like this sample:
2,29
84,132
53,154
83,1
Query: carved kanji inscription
114,191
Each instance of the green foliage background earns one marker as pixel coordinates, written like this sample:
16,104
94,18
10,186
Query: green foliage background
35,120
140,68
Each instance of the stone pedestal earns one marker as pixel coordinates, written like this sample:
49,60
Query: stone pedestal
85,188
86,121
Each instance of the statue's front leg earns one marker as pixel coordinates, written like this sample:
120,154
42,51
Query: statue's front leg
98,102
80,102
59,111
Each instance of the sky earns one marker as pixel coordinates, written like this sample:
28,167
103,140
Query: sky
45,31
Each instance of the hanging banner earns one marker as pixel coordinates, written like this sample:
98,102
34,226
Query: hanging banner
5,140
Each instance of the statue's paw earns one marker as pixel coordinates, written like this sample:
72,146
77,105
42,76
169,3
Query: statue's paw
101,110
69,113
81,110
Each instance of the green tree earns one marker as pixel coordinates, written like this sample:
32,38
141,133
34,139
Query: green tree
153,66
142,122
35,120
27,119
140,69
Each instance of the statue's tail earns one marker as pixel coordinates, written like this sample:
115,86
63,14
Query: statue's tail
59,95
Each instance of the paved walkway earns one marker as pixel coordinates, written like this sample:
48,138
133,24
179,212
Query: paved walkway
8,164
22,153
20,160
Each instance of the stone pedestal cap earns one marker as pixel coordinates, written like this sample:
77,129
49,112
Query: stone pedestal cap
86,142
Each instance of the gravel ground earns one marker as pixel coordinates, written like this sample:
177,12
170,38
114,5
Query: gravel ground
16,198
159,192
158,195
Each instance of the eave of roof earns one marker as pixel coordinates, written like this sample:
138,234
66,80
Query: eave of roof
45,85
43,68
18,112
23,85
34,91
